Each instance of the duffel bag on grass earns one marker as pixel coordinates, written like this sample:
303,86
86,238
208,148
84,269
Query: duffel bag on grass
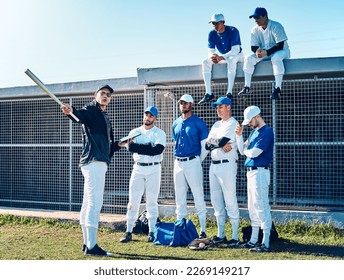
179,233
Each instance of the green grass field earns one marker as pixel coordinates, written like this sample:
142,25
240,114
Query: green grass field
23,238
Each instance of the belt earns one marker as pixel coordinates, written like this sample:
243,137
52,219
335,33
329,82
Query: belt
219,161
186,158
255,168
147,164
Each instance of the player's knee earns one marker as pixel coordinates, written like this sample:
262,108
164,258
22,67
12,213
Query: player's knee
231,65
276,59
250,60
206,62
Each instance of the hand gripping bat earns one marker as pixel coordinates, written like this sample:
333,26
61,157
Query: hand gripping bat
44,88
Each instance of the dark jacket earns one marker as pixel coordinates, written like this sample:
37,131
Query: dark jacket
97,134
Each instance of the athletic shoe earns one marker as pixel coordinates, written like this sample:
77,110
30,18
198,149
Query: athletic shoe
276,93
206,98
233,243
126,237
229,95
219,240
97,251
202,235
84,247
260,249
150,237
248,245
244,92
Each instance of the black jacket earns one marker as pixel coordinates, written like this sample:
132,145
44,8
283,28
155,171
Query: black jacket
97,134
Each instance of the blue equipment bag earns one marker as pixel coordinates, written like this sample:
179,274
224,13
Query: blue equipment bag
180,233
163,234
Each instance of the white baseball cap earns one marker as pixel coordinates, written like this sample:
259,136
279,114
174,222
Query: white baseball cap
187,98
217,18
249,113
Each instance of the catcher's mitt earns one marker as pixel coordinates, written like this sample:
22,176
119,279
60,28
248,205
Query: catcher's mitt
201,244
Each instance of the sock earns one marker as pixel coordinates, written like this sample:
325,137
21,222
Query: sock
152,224
207,82
235,229
231,78
202,223
278,81
84,233
266,237
248,77
130,227
221,231
91,237
254,235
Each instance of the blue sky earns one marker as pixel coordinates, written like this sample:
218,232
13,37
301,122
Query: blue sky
79,40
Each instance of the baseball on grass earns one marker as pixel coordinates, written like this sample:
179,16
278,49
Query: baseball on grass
201,245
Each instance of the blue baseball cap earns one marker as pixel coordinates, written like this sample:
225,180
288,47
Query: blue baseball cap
152,110
222,100
259,12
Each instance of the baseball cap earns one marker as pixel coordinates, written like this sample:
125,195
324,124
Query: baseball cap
217,18
187,98
105,86
222,100
259,12
152,110
249,113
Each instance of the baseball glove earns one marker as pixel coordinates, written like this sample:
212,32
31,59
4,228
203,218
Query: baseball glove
201,244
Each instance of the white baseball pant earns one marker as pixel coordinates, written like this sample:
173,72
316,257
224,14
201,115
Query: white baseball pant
94,182
189,173
258,182
222,179
144,178
231,71
276,60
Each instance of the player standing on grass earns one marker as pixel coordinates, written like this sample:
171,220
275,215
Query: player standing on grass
223,171
258,149
189,133
147,151
98,149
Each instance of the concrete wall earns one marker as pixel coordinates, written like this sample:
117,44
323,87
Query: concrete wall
72,88
295,68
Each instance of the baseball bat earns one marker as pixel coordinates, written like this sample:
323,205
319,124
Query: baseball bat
44,88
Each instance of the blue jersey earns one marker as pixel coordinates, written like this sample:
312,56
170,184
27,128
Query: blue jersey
188,134
263,139
224,41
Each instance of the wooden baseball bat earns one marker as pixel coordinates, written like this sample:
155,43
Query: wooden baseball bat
44,88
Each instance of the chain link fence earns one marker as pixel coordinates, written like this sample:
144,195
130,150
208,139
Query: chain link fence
40,147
